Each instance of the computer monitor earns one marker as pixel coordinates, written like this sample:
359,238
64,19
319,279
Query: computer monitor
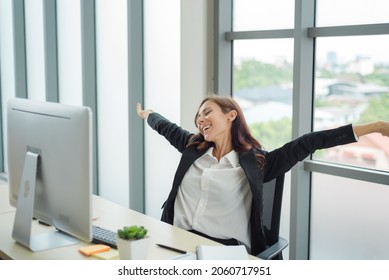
50,171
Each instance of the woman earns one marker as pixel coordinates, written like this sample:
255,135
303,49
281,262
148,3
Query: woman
217,187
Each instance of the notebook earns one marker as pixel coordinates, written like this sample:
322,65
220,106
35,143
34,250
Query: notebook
207,252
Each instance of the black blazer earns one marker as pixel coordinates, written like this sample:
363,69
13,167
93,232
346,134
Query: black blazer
278,162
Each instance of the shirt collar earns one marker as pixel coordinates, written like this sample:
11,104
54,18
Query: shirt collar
232,157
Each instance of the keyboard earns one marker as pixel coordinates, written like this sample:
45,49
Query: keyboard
104,236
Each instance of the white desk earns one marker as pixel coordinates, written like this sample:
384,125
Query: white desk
106,214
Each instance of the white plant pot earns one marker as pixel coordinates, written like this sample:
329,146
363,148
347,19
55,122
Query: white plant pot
133,249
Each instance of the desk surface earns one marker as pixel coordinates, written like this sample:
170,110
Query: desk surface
5,207
106,214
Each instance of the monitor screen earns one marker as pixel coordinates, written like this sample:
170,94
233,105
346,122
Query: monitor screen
50,170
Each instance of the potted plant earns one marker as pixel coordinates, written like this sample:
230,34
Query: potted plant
132,243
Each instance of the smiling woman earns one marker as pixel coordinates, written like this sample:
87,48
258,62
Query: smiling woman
221,123
216,189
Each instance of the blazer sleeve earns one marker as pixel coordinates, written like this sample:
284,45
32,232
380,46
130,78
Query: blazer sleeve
283,159
177,137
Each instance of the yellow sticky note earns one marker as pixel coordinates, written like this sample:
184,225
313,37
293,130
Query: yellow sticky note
108,255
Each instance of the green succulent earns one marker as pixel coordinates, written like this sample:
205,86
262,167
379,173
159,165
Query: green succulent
132,232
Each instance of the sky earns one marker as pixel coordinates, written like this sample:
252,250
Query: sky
347,12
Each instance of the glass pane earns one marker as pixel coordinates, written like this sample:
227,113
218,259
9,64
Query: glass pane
69,51
112,97
262,14
263,85
263,74
352,85
348,219
162,93
35,56
350,12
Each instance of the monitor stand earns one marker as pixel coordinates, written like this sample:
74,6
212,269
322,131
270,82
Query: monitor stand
24,213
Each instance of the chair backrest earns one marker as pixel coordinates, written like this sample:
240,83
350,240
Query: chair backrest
272,201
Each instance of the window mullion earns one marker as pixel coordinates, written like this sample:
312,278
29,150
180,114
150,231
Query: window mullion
302,123
223,62
260,34
349,30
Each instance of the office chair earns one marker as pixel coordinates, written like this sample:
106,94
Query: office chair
272,201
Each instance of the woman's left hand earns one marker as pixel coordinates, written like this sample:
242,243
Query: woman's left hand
144,114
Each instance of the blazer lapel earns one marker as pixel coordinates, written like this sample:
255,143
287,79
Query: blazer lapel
250,166
188,157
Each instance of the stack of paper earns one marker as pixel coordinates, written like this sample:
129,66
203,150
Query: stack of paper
237,252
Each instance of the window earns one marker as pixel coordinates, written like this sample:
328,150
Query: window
332,75
81,52
352,85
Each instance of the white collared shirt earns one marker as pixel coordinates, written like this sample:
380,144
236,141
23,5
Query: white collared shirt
215,198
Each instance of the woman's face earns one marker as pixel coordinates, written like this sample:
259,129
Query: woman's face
212,123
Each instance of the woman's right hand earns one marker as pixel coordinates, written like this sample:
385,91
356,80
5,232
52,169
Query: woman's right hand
142,113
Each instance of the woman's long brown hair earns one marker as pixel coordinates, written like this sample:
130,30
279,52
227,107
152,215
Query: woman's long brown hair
242,140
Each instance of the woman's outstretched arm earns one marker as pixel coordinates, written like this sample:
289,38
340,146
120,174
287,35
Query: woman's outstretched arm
379,126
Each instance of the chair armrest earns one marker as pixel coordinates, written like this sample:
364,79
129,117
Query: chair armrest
273,250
